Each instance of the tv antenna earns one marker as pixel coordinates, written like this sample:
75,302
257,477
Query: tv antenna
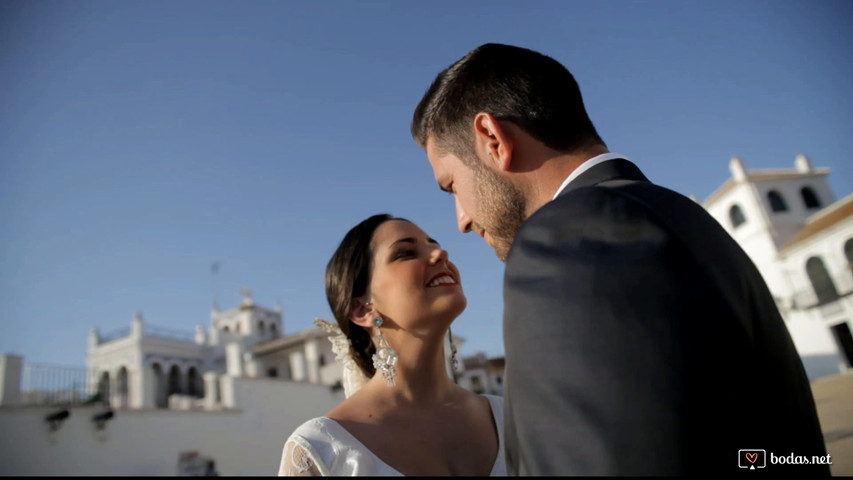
214,268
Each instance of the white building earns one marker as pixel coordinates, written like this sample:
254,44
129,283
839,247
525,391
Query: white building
150,367
150,397
481,374
801,240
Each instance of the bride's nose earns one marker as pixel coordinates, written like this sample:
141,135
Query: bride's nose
439,255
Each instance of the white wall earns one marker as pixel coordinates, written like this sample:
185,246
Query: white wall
10,379
829,246
815,344
753,236
810,329
784,272
786,224
244,441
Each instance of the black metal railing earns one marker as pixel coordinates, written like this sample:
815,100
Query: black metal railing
806,300
115,334
152,330
58,385
169,333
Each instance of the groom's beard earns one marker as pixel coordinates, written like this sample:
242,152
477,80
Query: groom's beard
501,208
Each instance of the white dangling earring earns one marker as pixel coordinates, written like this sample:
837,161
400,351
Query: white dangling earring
385,358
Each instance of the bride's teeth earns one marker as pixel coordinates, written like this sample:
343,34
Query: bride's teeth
441,280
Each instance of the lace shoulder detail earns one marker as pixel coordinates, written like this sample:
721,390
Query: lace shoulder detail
353,377
298,459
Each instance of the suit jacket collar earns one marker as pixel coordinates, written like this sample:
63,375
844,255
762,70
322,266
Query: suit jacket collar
618,168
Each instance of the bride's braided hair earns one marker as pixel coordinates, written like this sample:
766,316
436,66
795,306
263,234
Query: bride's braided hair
347,277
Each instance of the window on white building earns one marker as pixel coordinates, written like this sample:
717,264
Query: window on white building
159,386
122,387
174,381
810,198
273,331
736,216
195,383
848,252
104,387
476,384
777,203
844,337
822,283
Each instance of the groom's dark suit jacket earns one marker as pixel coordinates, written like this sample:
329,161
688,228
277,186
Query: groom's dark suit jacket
641,339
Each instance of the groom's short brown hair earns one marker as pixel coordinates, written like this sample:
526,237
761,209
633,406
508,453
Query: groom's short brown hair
532,90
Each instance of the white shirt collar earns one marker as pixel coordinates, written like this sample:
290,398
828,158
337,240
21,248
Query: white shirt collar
586,166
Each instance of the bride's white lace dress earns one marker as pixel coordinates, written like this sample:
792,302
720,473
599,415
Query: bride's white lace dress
321,446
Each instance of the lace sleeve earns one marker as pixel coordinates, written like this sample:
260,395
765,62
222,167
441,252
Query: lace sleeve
296,461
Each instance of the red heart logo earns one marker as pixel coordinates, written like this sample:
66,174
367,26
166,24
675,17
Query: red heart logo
752,457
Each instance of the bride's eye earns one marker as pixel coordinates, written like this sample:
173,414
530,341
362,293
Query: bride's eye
404,254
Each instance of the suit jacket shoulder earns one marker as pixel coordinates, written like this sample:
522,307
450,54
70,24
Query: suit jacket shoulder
626,307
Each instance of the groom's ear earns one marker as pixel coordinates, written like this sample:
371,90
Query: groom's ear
492,142
361,314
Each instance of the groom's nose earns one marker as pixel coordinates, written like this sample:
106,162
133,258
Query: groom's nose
462,219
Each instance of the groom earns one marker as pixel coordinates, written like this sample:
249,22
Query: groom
640,339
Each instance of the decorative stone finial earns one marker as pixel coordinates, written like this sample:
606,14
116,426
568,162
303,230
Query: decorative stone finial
802,163
247,296
738,169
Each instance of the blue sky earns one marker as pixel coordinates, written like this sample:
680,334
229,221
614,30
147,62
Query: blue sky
142,141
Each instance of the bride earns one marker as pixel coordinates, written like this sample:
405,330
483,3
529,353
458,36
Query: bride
394,294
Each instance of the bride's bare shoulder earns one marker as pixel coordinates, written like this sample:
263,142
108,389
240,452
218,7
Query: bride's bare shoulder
353,408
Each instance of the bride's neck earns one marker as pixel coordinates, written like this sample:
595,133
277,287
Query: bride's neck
421,377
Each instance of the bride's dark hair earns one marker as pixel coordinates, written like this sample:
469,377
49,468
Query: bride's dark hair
347,277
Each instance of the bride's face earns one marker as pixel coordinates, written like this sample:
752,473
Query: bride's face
413,284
